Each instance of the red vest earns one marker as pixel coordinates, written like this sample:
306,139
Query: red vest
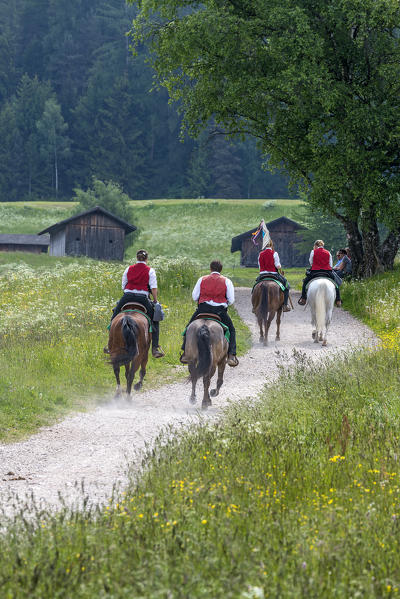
321,260
213,287
138,277
266,260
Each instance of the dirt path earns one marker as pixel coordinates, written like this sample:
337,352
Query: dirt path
96,447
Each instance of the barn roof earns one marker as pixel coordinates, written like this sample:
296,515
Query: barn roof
24,239
57,226
271,226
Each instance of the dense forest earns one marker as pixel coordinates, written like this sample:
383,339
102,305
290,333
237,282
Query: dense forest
75,104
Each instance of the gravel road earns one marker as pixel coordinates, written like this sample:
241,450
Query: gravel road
95,448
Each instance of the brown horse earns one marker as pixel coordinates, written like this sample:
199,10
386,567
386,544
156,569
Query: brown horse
128,344
267,300
206,350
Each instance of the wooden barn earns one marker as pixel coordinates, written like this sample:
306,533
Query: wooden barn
95,233
284,233
24,243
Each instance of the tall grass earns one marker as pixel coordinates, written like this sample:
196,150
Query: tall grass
295,495
376,300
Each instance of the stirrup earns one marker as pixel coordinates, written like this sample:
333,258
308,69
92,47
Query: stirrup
338,303
157,352
302,301
183,359
287,308
232,360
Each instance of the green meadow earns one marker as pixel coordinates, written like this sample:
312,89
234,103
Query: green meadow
295,494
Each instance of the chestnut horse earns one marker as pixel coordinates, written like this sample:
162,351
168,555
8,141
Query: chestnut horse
206,350
267,300
128,344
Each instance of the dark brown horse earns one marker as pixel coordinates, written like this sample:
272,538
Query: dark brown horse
206,350
128,344
267,300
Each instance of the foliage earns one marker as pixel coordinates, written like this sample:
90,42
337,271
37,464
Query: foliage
108,195
320,226
377,302
316,84
77,56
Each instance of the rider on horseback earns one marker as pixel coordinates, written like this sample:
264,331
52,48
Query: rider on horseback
214,293
138,281
270,265
321,265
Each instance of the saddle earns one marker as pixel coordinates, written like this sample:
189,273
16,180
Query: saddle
134,306
322,277
208,315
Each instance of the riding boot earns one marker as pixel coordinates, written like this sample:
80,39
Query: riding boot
338,301
156,351
286,308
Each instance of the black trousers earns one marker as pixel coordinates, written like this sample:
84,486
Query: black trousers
144,300
278,277
317,273
225,319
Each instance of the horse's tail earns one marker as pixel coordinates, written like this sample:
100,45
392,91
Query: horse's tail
323,301
130,333
203,338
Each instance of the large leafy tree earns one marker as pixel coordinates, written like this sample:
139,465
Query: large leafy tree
315,81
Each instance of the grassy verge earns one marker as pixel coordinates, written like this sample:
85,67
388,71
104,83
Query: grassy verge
293,496
53,319
376,301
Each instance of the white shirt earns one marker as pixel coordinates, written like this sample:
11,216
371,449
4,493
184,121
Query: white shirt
277,263
311,259
230,292
152,281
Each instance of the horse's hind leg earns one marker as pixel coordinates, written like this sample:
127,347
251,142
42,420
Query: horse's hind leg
192,372
206,395
220,378
260,324
142,374
118,389
267,325
130,375
278,324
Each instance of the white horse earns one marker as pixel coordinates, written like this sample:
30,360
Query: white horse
321,297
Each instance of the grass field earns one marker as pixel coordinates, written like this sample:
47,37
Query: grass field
199,229
294,495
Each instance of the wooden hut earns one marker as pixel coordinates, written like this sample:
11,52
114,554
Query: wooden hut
24,243
284,233
95,233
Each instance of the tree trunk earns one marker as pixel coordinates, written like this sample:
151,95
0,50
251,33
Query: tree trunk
355,241
389,249
372,263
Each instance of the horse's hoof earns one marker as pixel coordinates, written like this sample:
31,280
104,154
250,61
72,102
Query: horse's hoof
313,334
214,392
128,397
192,399
324,343
205,404
138,386
261,339
315,339
265,342
277,338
